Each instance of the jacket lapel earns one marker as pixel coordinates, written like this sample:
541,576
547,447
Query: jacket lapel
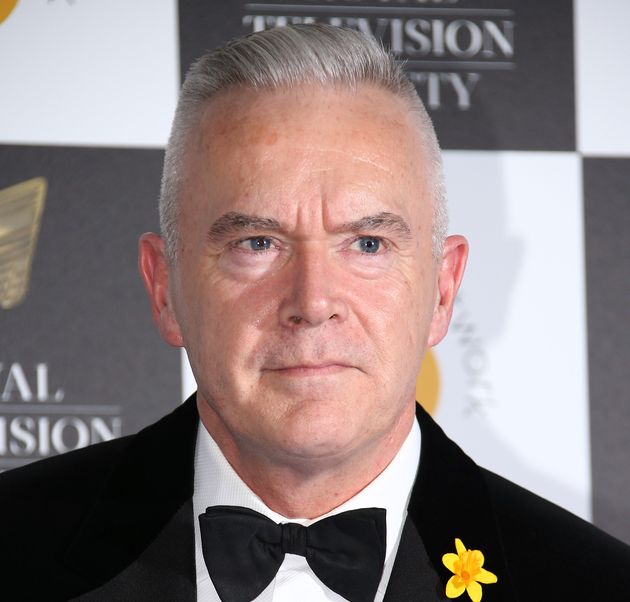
413,577
140,529
161,572
449,500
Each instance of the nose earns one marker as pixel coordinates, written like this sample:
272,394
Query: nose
315,292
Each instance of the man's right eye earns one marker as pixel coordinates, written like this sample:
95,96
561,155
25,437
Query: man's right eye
256,243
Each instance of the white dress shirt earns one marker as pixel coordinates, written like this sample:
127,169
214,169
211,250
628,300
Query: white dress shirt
216,483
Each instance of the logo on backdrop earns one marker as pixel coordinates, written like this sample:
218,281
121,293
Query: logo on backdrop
79,359
447,49
35,422
6,8
473,391
21,208
464,359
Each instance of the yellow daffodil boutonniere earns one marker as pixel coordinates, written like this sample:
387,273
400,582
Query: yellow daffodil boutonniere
467,566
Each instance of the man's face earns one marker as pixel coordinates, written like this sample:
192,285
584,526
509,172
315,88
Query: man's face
305,291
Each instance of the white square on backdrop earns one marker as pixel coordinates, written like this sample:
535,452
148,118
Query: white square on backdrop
89,73
513,368
602,48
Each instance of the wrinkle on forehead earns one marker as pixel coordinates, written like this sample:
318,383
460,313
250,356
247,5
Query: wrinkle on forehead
344,152
272,146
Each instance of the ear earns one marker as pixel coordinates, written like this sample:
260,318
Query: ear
449,277
154,270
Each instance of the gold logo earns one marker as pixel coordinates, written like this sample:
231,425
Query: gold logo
428,383
6,8
21,209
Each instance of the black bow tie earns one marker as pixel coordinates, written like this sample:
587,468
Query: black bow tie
243,550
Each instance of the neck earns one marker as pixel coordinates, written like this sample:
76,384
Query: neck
306,487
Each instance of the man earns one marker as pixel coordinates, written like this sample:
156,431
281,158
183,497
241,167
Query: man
304,266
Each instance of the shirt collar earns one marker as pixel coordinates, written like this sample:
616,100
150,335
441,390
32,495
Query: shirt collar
216,483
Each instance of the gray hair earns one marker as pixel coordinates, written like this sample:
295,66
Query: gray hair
287,57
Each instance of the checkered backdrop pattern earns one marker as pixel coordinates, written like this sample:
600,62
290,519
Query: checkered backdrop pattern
530,100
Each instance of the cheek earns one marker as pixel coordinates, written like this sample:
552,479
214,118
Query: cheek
397,311
395,298
233,319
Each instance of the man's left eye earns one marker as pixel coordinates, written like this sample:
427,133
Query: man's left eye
368,244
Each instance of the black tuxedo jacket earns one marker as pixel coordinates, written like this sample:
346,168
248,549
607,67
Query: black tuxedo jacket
114,522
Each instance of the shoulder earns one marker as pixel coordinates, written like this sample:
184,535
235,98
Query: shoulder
81,473
76,519
50,497
42,508
59,476
543,552
68,482
540,538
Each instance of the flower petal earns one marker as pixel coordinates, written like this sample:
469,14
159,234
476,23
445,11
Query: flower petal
478,557
484,576
449,561
474,591
453,590
459,546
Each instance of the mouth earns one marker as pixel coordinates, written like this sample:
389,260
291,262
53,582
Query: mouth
307,369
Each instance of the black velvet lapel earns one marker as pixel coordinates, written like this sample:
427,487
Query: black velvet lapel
144,506
449,500
161,573
413,577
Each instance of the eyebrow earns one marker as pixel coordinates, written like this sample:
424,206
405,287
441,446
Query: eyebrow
238,222
380,221
234,221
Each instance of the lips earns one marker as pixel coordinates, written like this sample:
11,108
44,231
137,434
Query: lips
311,369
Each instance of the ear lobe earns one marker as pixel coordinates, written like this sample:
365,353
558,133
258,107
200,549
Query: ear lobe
451,272
154,271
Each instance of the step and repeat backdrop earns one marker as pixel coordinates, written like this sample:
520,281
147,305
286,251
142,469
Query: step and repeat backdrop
531,102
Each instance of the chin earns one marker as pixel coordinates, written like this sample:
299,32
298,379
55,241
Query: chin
321,449
320,430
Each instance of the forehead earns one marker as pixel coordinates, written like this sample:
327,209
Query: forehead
286,144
